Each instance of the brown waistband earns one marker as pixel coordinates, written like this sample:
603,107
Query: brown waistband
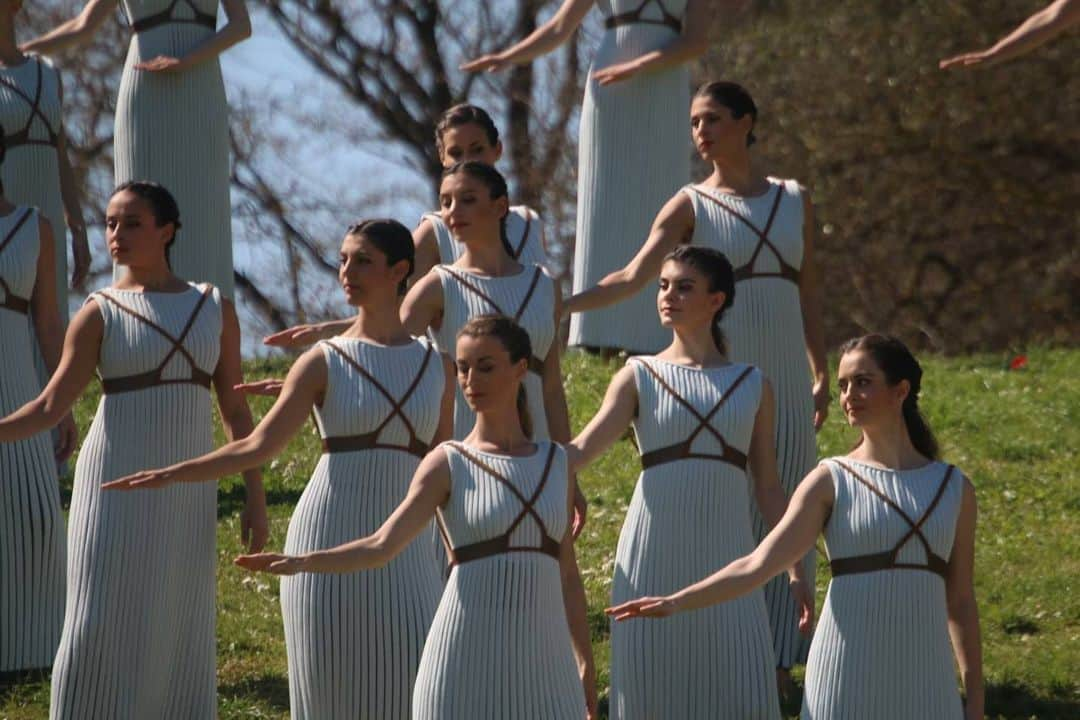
370,441
885,561
16,304
165,18
500,545
536,365
130,383
681,451
786,273
632,18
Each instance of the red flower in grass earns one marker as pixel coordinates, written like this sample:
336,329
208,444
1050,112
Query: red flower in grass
1018,363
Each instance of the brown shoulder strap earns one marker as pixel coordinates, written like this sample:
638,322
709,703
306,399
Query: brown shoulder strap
916,529
524,236
472,288
528,294
505,481
177,342
15,229
528,509
702,419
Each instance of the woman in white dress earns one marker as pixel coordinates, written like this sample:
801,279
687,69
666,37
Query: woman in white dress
899,526
511,622
32,533
632,152
171,114
381,399
766,228
467,132
37,171
138,638
701,423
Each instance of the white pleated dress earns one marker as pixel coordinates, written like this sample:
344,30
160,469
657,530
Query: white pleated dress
633,155
882,645
354,640
689,517
528,298
172,128
500,644
524,230
764,327
138,639
30,112
31,524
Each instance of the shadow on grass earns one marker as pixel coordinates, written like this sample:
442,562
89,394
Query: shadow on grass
231,499
24,685
269,690
1013,700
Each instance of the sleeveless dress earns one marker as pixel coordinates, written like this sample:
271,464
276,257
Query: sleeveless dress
529,298
633,155
138,639
30,112
354,640
172,128
882,645
500,644
765,328
689,517
524,230
31,525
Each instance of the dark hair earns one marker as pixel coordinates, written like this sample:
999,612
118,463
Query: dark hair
715,266
516,341
162,205
496,185
897,363
465,114
735,98
392,239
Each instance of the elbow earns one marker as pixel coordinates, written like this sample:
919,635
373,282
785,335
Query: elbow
696,47
241,29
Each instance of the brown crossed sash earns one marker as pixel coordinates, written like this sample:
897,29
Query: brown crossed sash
681,450
635,16
536,365
11,301
501,543
165,16
888,560
746,272
22,137
153,378
370,440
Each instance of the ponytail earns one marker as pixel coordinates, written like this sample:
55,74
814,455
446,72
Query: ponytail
918,429
523,411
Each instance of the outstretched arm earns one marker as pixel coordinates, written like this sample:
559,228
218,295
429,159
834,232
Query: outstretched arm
813,322
673,226
1037,30
539,42
304,386
236,29
77,362
73,32
963,610
781,548
577,610
610,422
429,489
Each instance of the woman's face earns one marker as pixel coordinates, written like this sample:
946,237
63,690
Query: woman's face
132,233
866,397
488,379
715,131
468,142
364,273
683,299
469,210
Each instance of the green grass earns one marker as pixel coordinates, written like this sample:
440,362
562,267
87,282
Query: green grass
1016,434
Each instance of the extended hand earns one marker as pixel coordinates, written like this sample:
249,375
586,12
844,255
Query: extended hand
254,527
80,252
616,73
270,387
275,563
146,479
295,337
588,681
486,63
804,598
581,510
162,63
67,437
655,607
822,398
970,59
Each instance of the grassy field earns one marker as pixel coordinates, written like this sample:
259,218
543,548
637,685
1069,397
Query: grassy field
1016,434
